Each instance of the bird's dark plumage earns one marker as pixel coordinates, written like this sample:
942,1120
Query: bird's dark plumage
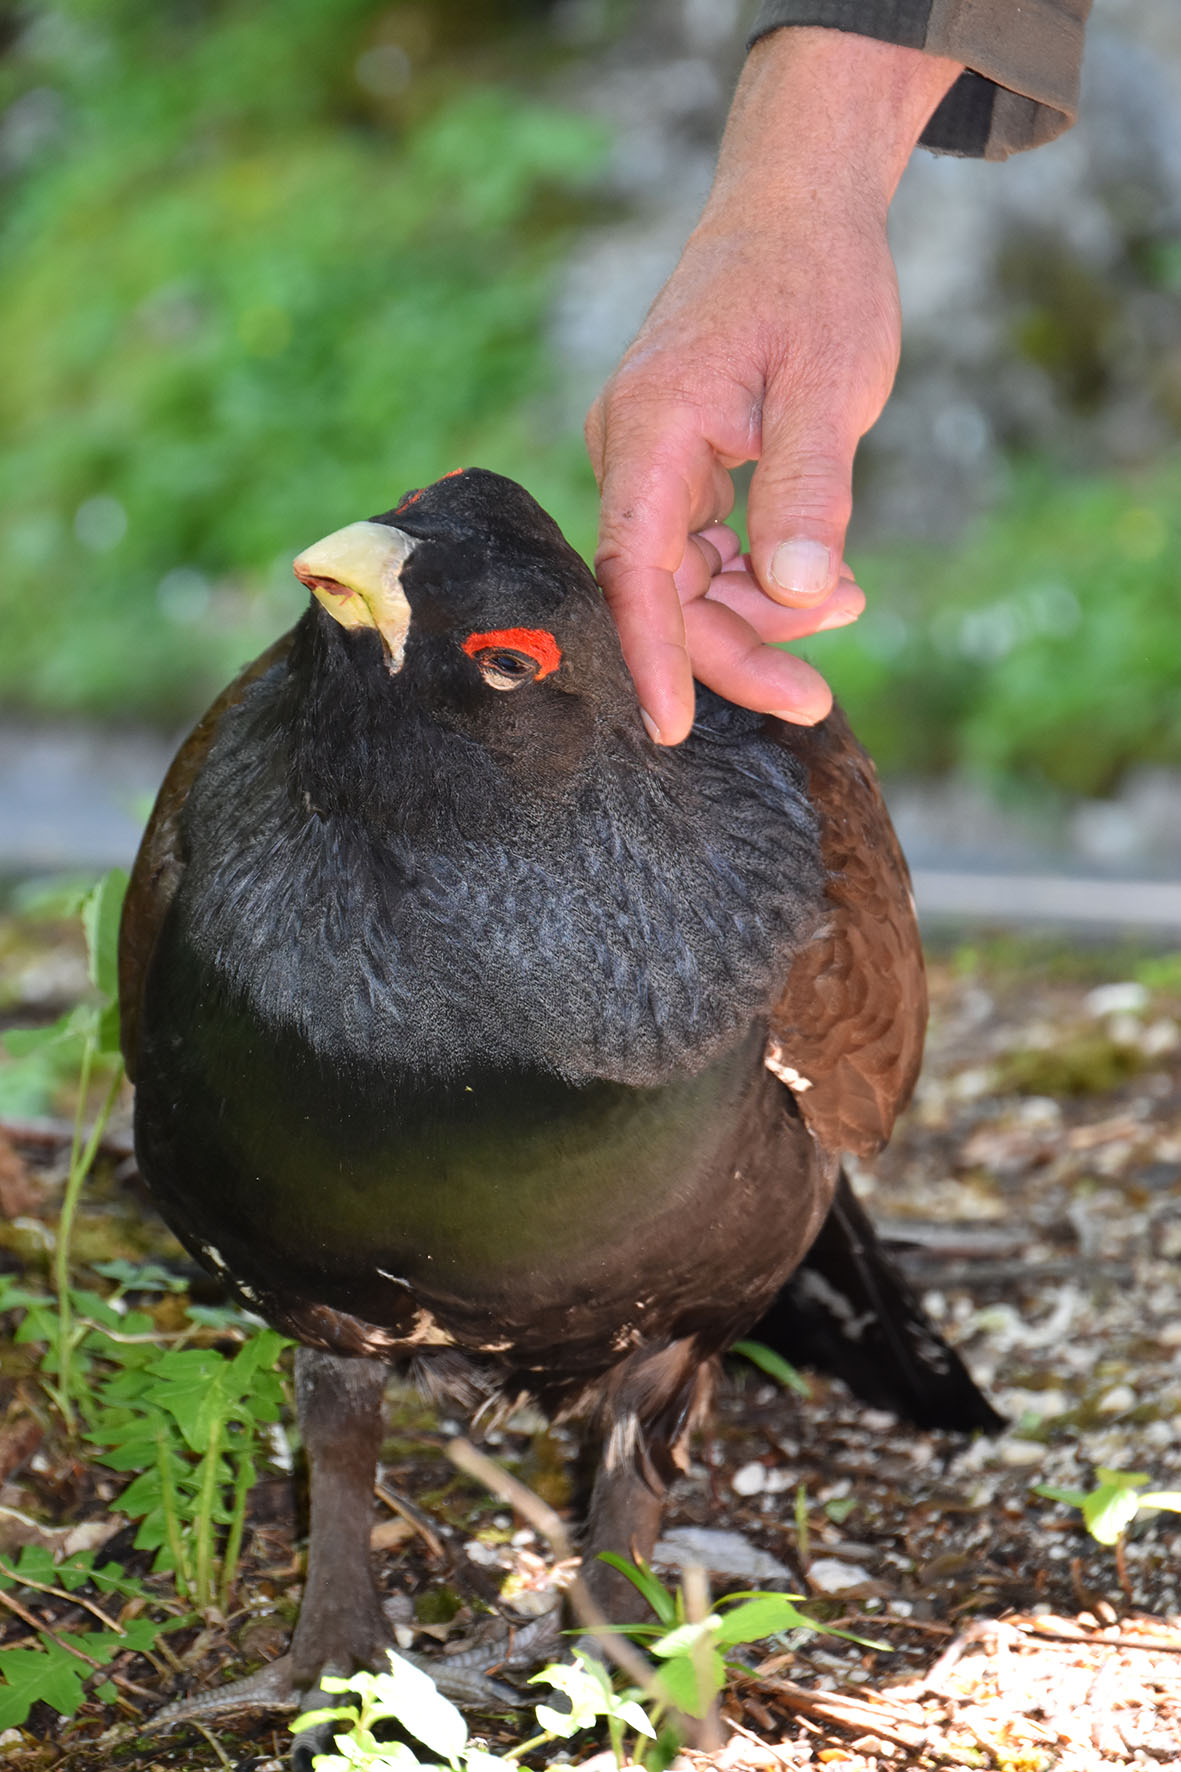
472,1030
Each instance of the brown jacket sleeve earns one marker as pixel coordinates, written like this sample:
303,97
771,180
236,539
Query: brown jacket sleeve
1022,60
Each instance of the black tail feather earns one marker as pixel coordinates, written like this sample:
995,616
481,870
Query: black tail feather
848,1311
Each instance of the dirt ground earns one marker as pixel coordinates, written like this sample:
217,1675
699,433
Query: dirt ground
1034,1190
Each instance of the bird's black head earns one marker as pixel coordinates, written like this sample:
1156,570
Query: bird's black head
465,608
456,841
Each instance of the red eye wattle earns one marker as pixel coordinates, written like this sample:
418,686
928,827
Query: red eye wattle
534,642
412,498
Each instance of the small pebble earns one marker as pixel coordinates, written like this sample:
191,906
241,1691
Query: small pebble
1160,1037
1040,1111
970,1085
723,1553
1128,998
749,1479
1021,1452
489,1556
878,1421
1117,1399
832,1577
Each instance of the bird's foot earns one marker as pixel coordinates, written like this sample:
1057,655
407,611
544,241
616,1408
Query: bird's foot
465,1677
272,1687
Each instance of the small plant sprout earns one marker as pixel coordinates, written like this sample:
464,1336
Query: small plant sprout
186,1425
774,1365
1110,1507
691,1656
586,1686
92,1027
409,1697
692,1651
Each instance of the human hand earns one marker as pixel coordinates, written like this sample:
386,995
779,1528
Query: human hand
733,628
775,340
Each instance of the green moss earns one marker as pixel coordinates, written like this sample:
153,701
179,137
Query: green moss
436,1605
1088,1064
1160,972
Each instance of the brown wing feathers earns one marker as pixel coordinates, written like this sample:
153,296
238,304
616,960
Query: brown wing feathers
847,1033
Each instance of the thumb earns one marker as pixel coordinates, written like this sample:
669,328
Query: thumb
800,499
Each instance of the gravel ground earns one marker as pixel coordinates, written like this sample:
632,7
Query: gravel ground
1034,1189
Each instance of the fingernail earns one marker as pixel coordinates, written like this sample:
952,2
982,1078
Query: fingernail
836,618
796,716
653,729
802,566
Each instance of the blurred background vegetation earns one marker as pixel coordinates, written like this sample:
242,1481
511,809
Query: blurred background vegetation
267,263
255,282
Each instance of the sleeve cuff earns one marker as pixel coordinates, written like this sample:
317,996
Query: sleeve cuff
1022,61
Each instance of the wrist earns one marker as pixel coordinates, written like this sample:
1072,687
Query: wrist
819,107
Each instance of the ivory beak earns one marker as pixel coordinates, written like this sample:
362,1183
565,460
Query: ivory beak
356,573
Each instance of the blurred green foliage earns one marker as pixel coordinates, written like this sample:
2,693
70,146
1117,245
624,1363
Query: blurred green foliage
1040,650
268,263
264,267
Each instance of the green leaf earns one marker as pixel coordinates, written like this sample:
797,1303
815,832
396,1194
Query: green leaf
763,1617
636,1718
1120,1479
101,910
34,1563
774,1365
420,1707
107,1032
142,1634
642,1578
140,1276
1109,1510
335,1713
75,1024
50,1675
686,1636
586,1690
679,1677
590,1695
113,1578
1068,1497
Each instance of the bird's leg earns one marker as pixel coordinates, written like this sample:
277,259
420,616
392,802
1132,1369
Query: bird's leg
654,1399
625,1512
626,1509
341,1626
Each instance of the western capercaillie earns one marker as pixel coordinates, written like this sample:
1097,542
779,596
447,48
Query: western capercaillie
474,1033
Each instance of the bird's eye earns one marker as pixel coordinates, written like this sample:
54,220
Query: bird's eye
505,670
511,657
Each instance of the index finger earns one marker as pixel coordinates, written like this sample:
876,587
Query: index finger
650,504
